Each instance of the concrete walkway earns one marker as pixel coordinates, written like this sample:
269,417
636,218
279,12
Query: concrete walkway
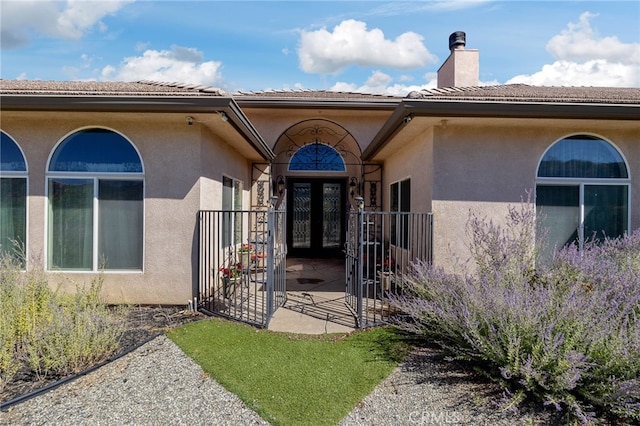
315,299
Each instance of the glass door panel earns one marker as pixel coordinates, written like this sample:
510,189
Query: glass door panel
332,215
315,217
301,230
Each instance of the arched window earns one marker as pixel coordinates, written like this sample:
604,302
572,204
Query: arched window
582,191
317,157
96,192
13,199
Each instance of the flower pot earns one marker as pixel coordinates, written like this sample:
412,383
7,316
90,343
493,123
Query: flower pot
260,260
385,280
229,286
245,259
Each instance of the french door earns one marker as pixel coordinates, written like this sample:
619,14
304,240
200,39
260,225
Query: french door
316,217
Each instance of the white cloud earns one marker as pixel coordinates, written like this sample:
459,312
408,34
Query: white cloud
579,42
69,19
141,46
597,72
350,43
180,64
383,84
584,58
404,8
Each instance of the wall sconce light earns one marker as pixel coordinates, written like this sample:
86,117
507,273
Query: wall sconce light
359,203
189,121
223,116
353,185
280,184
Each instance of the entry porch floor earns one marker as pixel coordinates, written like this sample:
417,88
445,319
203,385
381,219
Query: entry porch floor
315,298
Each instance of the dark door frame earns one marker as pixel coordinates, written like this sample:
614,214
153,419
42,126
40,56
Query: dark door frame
316,250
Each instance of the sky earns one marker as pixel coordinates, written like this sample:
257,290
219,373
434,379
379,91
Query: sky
385,47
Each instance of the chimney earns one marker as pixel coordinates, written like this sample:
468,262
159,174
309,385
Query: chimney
461,69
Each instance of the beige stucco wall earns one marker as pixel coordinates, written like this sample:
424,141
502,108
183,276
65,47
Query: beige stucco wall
176,159
486,167
362,125
412,160
461,69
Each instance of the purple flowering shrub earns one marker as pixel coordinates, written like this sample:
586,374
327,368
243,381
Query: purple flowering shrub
565,332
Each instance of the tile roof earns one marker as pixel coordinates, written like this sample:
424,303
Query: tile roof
105,88
525,93
314,95
500,93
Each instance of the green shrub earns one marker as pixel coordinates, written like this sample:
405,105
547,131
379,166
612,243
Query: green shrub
49,333
566,333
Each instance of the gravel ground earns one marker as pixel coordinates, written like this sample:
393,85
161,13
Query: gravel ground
158,384
141,323
429,390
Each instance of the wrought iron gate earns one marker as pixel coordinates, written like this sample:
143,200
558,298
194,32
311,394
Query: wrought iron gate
380,249
242,263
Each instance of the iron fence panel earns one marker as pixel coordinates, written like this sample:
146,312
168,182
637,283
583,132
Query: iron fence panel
381,248
242,264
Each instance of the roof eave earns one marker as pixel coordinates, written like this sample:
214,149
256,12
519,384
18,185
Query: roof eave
106,103
244,126
493,109
523,109
287,103
151,104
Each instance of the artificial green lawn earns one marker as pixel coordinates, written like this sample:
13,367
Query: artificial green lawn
292,379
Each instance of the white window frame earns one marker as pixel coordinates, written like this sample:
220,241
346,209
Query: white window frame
12,174
404,244
237,205
582,182
95,177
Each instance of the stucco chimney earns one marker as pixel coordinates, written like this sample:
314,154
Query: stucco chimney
462,67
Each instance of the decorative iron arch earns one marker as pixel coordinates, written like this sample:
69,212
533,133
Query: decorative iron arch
317,132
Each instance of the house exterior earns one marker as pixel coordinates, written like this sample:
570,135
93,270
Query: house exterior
111,176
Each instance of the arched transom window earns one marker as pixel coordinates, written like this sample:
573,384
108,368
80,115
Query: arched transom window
582,191
317,157
96,192
13,199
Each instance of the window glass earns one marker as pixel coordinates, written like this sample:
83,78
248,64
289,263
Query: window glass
231,202
120,224
71,224
11,158
605,211
237,206
96,150
582,157
317,156
13,215
578,197
558,213
13,199
95,219
400,202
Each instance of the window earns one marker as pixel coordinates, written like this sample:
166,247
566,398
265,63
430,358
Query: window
13,198
317,157
96,195
582,192
400,201
231,202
